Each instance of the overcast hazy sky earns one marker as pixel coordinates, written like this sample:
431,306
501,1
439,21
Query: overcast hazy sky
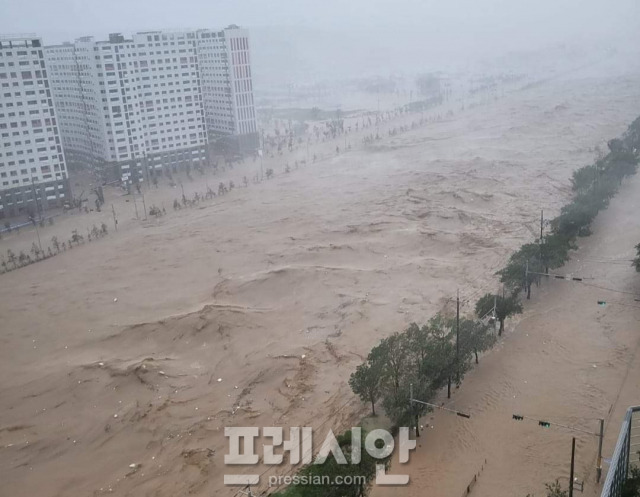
331,35
533,20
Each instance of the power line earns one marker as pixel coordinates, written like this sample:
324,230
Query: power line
457,413
483,288
611,289
582,280
565,277
547,424
600,436
604,261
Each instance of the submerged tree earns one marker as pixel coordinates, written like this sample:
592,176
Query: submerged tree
504,307
439,365
35,250
523,269
11,257
365,382
76,238
475,337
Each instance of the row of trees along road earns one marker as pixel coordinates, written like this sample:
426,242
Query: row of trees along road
438,354
441,352
423,356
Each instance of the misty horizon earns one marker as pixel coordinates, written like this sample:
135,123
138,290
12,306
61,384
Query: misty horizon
310,41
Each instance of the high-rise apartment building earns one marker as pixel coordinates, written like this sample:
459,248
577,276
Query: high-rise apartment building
33,174
154,103
227,87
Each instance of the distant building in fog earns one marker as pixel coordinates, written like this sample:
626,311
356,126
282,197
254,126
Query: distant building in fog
153,103
227,87
33,174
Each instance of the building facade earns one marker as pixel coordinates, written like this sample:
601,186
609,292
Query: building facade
130,107
33,173
227,89
155,103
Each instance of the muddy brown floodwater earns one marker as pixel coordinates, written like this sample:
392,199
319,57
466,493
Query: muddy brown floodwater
139,348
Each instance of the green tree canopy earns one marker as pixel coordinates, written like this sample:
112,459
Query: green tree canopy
475,337
506,306
365,382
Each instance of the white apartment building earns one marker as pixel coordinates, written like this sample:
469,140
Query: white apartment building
132,104
227,86
153,103
33,175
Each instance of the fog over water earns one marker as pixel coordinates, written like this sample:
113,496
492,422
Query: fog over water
308,41
408,163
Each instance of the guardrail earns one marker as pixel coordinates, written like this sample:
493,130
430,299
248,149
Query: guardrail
473,481
626,453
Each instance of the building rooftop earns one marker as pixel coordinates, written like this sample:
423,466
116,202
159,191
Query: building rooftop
20,40
18,36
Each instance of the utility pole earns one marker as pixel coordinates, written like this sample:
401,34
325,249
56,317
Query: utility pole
573,457
135,205
378,114
413,413
35,198
600,435
542,241
599,466
115,221
262,153
144,206
145,162
458,336
261,165
38,235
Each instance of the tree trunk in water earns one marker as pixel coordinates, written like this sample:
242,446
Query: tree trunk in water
476,352
501,328
417,426
528,291
373,408
449,387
